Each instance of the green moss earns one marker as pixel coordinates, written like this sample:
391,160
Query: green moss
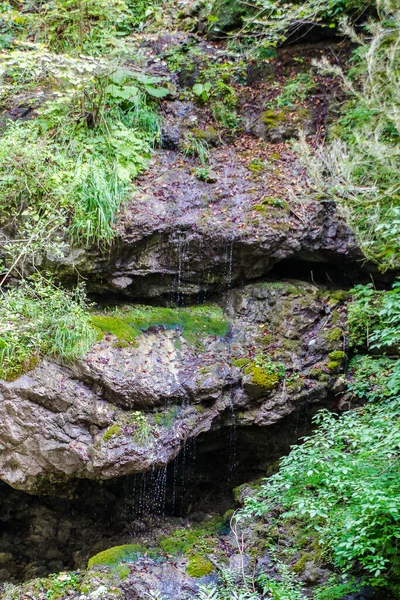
256,166
123,572
291,344
116,555
113,431
199,566
337,355
114,326
334,335
14,371
302,562
193,540
332,365
120,344
127,324
167,418
340,296
262,378
241,362
318,374
209,135
272,118
268,339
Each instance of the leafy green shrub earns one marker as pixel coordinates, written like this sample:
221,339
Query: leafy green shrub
71,167
77,26
296,89
374,378
344,481
40,319
374,317
274,23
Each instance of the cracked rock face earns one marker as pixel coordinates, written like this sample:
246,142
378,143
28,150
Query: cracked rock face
183,236
124,410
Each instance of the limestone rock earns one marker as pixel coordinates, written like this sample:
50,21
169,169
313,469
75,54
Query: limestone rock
183,237
124,410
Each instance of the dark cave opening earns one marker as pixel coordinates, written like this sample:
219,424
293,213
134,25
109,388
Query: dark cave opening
41,535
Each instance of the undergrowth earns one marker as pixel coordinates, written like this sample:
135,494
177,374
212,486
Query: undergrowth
66,172
40,319
359,166
341,485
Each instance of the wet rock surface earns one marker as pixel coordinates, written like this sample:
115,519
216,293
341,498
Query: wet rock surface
124,410
182,235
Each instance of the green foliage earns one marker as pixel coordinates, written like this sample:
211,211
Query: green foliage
40,319
360,166
54,587
193,146
74,25
374,317
273,22
344,481
229,588
374,378
284,589
193,322
295,90
70,168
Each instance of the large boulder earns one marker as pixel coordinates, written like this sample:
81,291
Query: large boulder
127,408
185,237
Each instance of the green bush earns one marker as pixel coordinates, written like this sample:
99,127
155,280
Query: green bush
359,167
344,481
374,317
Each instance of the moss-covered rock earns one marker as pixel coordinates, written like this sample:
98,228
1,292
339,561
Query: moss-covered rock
226,15
116,555
199,566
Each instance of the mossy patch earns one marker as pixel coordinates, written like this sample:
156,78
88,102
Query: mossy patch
333,335
199,540
272,118
114,326
337,355
262,378
128,323
113,431
333,366
116,555
199,566
319,374
241,362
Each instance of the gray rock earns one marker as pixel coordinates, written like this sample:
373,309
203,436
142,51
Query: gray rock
180,236
59,423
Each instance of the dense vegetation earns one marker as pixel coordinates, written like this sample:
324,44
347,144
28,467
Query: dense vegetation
66,173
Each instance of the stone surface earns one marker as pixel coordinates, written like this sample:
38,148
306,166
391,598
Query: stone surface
55,421
181,236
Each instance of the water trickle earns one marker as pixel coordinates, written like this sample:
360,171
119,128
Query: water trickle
181,246
232,437
230,265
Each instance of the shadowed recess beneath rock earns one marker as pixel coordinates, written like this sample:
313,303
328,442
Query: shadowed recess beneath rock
40,535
